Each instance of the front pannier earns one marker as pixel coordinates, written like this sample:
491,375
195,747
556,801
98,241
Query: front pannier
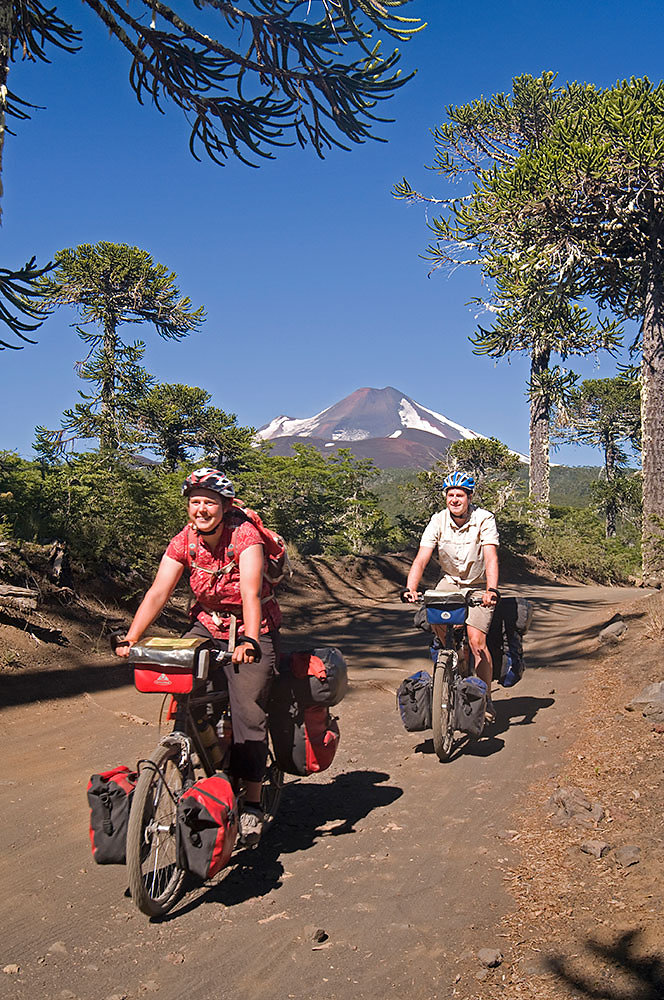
414,701
207,825
109,797
470,705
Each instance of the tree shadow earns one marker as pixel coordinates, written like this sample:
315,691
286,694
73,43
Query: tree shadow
26,686
642,976
307,813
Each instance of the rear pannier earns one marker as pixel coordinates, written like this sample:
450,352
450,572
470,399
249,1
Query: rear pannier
317,676
207,825
305,735
109,797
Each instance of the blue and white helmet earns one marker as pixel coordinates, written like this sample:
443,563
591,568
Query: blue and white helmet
460,480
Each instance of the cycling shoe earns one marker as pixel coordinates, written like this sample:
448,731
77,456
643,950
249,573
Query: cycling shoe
252,820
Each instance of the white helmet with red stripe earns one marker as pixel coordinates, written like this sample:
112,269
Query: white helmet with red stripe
209,479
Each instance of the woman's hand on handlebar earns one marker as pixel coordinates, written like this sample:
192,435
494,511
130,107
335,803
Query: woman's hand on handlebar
246,651
411,596
121,645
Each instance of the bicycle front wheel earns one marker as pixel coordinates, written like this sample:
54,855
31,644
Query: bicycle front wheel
155,879
442,708
273,784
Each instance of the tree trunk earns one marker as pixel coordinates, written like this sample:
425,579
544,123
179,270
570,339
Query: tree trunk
109,437
611,507
652,420
540,416
6,9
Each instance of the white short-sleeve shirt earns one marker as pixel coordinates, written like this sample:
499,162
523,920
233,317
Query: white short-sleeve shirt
460,549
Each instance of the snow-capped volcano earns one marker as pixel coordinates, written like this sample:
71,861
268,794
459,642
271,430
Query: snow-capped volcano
368,413
382,424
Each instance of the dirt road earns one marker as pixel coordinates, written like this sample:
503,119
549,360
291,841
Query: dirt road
399,859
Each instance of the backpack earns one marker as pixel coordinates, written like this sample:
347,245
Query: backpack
470,705
277,563
206,826
304,737
317,676
109,796
414,701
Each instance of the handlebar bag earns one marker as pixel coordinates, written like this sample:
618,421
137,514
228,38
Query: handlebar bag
470,705
304,740
414,701
170,665
109,796
207,825
318,676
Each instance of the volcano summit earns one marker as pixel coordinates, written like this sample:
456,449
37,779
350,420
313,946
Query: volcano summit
382,424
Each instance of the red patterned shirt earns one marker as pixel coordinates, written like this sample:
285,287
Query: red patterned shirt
221,594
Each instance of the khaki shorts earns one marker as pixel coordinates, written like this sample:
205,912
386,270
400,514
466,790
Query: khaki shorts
479,617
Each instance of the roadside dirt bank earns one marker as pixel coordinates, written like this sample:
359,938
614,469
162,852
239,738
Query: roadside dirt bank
409,866
587,926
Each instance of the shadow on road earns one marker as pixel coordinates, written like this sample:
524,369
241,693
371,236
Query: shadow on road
637,976
523,709
306,813
27,686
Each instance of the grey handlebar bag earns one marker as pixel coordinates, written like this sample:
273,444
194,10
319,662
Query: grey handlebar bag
470,705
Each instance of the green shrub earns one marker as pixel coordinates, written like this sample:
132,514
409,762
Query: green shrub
573,544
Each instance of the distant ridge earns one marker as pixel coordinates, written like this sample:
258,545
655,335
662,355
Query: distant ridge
382,424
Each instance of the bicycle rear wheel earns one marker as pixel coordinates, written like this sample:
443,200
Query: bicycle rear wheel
155,879
442,708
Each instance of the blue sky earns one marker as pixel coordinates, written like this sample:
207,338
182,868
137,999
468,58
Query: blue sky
308,269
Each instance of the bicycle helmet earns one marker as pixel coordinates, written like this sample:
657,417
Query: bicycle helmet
461,481
210,479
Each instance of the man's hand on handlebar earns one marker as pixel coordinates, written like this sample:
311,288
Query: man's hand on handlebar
410,596
490,597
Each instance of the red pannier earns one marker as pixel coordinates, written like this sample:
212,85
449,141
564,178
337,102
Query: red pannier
319,676
170,666
304,740
207,825
109,797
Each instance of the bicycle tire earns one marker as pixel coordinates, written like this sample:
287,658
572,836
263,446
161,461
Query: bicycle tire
155,879
442,708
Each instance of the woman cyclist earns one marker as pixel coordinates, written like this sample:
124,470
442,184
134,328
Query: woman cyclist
224,554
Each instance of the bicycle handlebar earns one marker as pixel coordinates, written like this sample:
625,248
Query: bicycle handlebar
471,600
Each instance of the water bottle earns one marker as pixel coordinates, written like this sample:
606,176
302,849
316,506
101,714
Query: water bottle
225,733
209,740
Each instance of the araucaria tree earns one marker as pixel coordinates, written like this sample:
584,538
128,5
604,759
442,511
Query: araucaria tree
534,306
109,285
590,197
248,76
605,413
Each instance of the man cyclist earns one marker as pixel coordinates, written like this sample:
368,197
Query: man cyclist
467,540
